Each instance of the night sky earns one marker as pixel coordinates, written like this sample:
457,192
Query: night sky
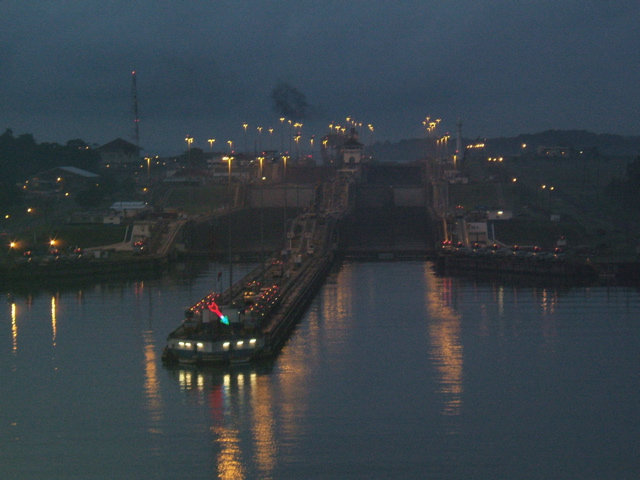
204,68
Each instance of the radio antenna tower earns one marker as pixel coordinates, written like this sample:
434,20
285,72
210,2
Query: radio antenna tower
136,120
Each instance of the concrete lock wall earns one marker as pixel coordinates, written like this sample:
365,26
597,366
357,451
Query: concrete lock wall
387,196
409,197
279,196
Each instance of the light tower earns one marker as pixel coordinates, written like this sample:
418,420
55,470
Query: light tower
136,120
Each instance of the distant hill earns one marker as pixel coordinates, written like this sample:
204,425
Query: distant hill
578,140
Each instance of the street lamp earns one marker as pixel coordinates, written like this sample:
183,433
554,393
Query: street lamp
282,134
284,186
245,125
230,146
259,138
270,138
211,142
261,158
229,229
297,140
148,159
189,141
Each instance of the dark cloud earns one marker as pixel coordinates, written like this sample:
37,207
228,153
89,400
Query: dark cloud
205,68
289,102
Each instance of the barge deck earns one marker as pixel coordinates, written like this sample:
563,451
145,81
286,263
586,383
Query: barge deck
254,317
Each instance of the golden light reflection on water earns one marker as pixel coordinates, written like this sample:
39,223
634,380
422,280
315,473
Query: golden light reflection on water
54,320
239,402
151,384
14,328
444,333
263,426
549,303
324,342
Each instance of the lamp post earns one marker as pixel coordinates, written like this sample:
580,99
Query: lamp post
148,159
245,125
189,141
230,142
284,186
270,138
259,139
282,134
229,231
262,213
297,140
211,142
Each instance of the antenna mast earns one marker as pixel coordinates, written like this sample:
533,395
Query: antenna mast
136,120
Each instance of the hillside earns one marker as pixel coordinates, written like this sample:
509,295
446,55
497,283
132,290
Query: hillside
574,140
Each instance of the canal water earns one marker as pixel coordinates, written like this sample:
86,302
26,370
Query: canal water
393,373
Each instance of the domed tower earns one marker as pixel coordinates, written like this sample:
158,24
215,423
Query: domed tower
352,149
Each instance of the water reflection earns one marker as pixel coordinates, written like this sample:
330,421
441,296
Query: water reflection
54,320
151,384
241,406
444,332
14,328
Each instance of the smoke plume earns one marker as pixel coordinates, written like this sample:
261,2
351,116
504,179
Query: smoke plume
289,102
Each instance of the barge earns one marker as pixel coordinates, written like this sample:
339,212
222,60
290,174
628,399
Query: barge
253,321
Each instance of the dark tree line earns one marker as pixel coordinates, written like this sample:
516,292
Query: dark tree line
626,191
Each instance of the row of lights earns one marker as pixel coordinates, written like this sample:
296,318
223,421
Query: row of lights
431,125
225,345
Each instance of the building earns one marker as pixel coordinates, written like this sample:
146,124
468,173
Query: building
118,152
59,181
352,150
128,209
